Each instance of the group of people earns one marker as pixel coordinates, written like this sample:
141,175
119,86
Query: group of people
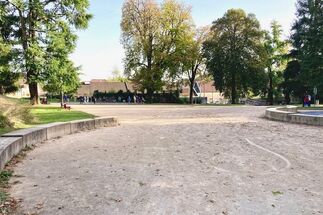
87,99
136,99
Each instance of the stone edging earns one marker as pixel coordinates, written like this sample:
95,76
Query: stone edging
12,143
291,115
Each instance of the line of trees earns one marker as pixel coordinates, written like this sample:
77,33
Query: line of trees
163,46
304,70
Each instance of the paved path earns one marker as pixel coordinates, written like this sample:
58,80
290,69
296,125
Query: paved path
177,160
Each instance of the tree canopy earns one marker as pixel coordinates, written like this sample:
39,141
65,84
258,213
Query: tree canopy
307,39
151,34
30,25
61,75
8,76
276,50
235,54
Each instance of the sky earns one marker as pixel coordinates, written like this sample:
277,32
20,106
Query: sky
99,51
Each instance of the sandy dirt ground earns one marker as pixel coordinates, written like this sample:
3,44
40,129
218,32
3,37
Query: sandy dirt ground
167,160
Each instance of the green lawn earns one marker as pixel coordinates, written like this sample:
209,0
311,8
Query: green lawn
311,108
5,130
45,115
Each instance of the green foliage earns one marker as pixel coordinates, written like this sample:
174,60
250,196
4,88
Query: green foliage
5,177
13,113
307,39
4,180
8,78
277,193
21,115
292,84
61,74
276,50
5,122
34,27
117,76
45,115
235,54
151,36
190,57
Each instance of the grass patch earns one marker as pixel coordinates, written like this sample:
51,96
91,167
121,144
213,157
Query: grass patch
310,108
4,185
277,193
17,114
6,130
45,115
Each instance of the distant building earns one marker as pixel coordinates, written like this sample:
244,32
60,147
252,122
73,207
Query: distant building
101,85
208,91
23,91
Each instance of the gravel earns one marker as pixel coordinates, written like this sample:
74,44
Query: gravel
176,160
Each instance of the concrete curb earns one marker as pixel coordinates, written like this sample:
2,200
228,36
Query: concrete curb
291,115
9,147
12,143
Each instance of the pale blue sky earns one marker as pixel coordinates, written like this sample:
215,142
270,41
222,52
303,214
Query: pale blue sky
99,50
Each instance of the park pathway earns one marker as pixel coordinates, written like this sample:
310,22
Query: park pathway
176,160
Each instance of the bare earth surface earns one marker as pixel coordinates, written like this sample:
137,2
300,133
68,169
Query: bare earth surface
177,160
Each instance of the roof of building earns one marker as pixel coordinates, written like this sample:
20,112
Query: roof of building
98,80
106,86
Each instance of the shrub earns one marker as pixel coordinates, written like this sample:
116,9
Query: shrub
12,113
5,122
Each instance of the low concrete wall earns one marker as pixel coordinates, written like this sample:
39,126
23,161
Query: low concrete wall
105,122
307,119
82,125
12,143
274,114
289,109
9,147
55,130
290,114
30,136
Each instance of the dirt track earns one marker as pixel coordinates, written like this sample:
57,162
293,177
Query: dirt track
177,160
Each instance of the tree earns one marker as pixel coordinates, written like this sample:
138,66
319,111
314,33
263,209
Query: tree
292,85
192,59
29,22
276,49
117,75
235,54
8,74
307,39
61,76
8,78
150,34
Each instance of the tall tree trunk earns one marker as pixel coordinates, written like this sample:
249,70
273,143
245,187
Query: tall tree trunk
233,89
270,98
33,90
29,34
150,89
2,90
62,98
150,93
191,92
192,80
287,98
